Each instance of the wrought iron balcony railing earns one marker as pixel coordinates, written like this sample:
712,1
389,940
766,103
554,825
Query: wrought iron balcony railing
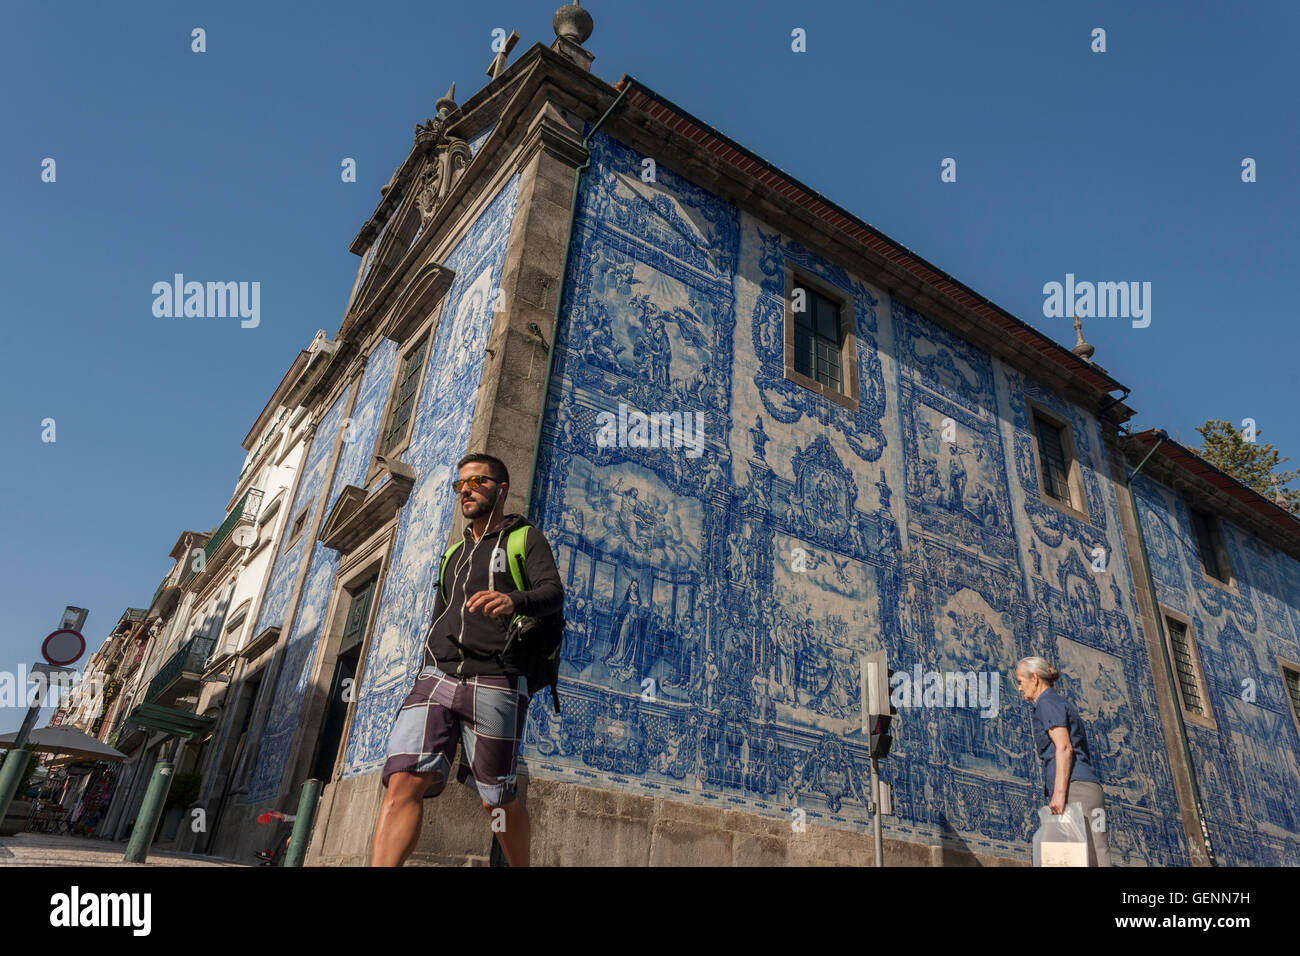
191,657
245,510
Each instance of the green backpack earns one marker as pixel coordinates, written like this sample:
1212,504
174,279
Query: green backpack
541,638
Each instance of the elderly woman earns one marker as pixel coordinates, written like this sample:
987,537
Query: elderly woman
1068,771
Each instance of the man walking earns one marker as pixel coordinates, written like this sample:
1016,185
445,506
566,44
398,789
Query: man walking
470,688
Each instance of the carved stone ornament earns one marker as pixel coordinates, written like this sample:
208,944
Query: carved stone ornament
357,515
446,158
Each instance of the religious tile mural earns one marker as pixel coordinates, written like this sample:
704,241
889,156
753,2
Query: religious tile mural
358,435
438,440
732,544
1246,765
277,736
280,590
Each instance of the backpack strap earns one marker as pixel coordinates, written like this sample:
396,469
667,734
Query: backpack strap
515,545
446,556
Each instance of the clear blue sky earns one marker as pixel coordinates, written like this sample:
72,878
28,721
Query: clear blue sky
225,166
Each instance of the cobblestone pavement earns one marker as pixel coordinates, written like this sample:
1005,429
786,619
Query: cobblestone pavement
43,849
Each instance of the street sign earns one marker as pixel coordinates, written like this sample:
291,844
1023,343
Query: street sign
63,647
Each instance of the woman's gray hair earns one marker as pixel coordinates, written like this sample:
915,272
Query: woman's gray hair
1036,665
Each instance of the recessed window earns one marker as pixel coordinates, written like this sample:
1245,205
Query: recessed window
299,523
1209,545
820,347
403,403
1053,459
818,337
1291,678
1186,667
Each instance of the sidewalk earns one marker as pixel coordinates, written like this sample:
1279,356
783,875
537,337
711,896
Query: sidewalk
45,849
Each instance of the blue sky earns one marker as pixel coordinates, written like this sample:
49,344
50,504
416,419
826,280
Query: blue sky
1115,166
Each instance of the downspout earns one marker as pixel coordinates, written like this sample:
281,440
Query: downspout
1174,686
559,296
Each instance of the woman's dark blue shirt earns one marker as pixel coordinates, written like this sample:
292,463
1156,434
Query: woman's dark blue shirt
1053,710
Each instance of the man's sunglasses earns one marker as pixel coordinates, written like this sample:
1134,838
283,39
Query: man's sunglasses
474,481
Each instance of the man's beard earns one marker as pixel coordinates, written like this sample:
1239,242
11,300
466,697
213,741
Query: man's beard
479,510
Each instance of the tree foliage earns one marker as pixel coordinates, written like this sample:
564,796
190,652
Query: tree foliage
1250,462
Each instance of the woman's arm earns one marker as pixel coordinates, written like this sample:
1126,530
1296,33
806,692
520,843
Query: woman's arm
1064,763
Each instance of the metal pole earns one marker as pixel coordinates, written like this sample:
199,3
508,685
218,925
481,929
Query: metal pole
11,773
146,821
302,823
17,759
875,812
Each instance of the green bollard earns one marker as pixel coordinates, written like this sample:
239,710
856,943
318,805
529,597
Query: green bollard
146,821
11,773
302,823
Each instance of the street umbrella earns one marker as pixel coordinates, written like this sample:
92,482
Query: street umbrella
65,740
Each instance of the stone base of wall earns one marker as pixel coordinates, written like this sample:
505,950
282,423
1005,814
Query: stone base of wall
582,826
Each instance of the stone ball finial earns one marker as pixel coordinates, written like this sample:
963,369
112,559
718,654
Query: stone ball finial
1081,348
573,23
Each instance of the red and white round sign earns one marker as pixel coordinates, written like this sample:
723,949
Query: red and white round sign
63,647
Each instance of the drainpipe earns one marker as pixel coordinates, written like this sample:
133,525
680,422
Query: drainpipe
1164,649
559,296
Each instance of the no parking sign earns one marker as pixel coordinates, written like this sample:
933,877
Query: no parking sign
63,647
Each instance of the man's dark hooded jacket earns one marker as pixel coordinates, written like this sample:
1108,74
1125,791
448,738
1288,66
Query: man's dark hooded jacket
463,642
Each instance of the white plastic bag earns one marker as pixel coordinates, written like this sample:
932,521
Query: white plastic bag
1063,839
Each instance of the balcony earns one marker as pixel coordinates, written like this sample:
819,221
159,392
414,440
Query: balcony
182,673
220,545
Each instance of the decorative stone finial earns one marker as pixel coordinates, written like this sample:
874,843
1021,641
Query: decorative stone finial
447,103
1279,499
1081,348
573,23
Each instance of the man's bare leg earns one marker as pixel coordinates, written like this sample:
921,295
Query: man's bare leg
400,816
514,838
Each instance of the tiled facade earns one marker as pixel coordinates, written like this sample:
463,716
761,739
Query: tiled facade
720,599
1247,758
680,570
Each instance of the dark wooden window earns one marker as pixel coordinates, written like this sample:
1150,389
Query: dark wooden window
408,382
819,340
1052,459
1205,529
1292,681
1185,666
343,689
358,611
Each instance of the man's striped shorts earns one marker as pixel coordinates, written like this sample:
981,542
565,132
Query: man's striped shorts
485,713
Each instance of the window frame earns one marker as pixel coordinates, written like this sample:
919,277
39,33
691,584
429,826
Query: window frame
798,278
370,562
1206,719
1218,542
1285,665
295,531
1074,470
424,335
